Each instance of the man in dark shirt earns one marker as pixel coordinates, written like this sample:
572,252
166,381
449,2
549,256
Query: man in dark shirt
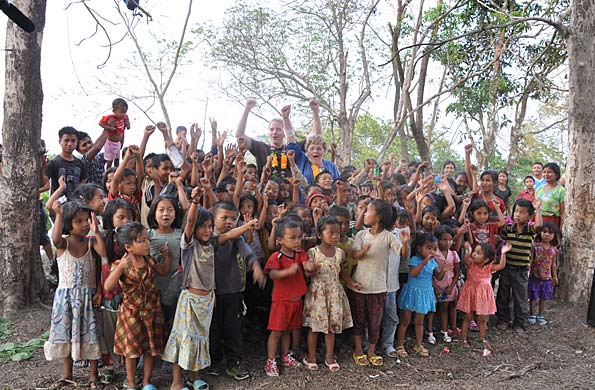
65,164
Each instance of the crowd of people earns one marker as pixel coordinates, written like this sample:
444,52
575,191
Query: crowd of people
189,242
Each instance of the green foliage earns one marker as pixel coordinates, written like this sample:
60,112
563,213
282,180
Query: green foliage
18,351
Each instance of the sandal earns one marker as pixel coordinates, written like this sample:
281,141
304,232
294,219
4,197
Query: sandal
149,387
401,352
391,353
333,367
310,366
360,360
376,360
199,384
421,351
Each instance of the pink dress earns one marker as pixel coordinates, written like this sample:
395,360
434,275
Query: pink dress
477,294
440,286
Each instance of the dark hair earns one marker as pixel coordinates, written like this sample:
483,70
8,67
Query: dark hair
119,103
399,178
86,192
129,232
529,177
489,173
387,184
67,130
129,172
326,221
554,167
320,174
475,205
107,172
226,181
250,198
179,129
539,163
69,211
81,135
489,253
159,158
367,184
443,229
339,211
402,215
551,227
461,173
449,162
203,215
430,209
112,207
285,224
524,203
148,158
223,206
387,213
151,219
421,238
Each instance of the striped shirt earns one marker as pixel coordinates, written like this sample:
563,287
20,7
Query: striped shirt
520,254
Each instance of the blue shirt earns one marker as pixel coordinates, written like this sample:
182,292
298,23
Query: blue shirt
305,166
424,278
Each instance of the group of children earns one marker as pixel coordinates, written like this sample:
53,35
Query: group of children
184,251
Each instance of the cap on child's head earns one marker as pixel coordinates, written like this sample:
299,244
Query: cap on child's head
315,195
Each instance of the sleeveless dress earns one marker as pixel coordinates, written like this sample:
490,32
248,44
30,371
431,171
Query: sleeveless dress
326,308
477,293
140,325
73,330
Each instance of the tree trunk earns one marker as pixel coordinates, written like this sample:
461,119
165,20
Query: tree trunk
20,262
578,246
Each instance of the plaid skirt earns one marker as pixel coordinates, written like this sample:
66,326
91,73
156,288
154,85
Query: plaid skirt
188,343
139,332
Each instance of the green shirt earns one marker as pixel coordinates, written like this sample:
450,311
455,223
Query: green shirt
551,200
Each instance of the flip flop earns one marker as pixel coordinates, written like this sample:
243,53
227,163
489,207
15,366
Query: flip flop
361,360
199,384
149,387
376,360
310,366
333,367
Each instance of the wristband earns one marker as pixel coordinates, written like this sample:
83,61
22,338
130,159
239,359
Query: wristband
195,202
290,133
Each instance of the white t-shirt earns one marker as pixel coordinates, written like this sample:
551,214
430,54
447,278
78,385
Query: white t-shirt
394,263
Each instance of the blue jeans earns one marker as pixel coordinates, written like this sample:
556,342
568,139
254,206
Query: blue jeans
390,321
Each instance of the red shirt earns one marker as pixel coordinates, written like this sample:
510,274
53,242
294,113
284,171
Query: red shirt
525,194
484,234
293,286
120,123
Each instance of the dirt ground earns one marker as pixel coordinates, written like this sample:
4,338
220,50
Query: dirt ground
560,355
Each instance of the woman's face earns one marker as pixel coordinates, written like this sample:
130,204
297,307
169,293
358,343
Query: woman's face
315,153
449,170
487,184
461,182
549,175
502,178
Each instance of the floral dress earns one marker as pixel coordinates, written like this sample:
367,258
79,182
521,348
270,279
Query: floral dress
140,323
326,308
73,331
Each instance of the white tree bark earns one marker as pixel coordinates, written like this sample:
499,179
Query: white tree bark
576,266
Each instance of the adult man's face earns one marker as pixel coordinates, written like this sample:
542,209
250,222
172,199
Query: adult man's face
537,168
276,133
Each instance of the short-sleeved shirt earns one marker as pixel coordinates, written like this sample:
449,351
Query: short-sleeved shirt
74,172
543,259
491,209
198,263
290,287
520,254
95,168
538,183
158,240
424,278
231,260
504,195
451,258
372,269
485,234
120,123
525,194
551,200
304,165
280,163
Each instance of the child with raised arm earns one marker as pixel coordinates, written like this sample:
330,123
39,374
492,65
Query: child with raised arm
140,325
286,268
477,294
115,124
73,331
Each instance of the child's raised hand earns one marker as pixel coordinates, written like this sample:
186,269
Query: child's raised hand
241,165
314,104
172,177
282,210
221,138
467,247
162,127
507,247
196,194
61,183
317,212
291,156
125,261
94,223
164,251
428,258
56,207
149,129
205,183
294,181
285,111
293,269
207,163
252,224
496,203
467,201
405,235
469,148
196,131
127,122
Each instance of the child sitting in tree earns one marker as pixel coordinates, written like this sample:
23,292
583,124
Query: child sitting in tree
115,124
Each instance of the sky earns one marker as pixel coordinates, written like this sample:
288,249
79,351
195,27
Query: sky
77,93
